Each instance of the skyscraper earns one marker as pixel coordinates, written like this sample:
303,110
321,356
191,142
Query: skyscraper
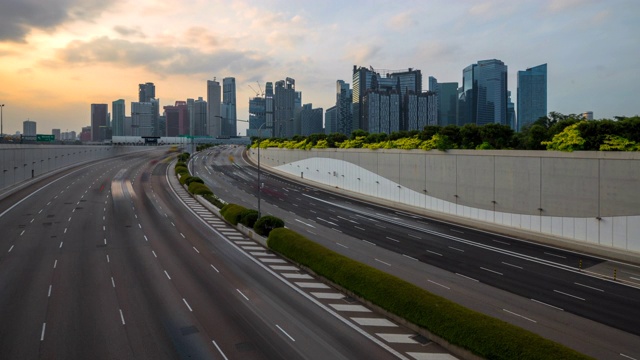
446,101
330,121
257,117
214,127
284,107
269,107
29,128
142,119
491,81
532,95
198,118
146,92
117,123
229,124
344,98
98,119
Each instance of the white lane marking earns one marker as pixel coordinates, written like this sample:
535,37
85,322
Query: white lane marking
433,282
135,215
392,239
489,270
186,303
344,246
501,242
74,210
543,303
369,242
433,252
49,293
194,248
140,226
458,231
456,249
39,212
11,248
380,261
359,228
243,295
590,287
214,268
466,277
173,224
44,327
166,273
627,356
113,283
515,266
60,247
573,296
631,277
104,228
105,241
524,317
412,258
121,316
145,238
107,258
216,345
22,232
34,218
154,253
65,230
556,255
415,237
284,332
181,234
300,221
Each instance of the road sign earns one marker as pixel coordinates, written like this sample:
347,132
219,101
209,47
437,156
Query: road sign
41,137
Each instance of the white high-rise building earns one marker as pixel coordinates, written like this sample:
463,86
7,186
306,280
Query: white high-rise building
142,119
214,127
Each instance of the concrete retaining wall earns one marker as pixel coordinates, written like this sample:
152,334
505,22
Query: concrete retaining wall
22,162
589,197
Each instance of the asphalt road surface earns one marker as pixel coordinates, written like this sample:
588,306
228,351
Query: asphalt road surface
102,261
537,287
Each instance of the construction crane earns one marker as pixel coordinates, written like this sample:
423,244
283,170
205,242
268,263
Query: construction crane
254,90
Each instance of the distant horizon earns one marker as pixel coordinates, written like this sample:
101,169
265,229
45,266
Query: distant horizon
58,57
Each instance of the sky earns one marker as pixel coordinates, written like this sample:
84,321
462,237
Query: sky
59,56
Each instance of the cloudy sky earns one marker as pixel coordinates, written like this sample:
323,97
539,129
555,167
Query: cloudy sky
59,56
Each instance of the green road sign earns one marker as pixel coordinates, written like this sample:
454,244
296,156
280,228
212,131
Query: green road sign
41,137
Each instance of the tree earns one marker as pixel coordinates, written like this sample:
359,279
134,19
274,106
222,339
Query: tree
470,136
497,135
568,140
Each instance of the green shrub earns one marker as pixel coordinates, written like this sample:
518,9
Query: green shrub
199,189
181,163
181,170
265,224
248,218
483,335
192,179
184,156
214,200
232,213
184,177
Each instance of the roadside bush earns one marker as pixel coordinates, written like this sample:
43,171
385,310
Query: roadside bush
192,179
265,224
199,189
184,177
181,163
483,335
184,156
181,170
248,218
232,213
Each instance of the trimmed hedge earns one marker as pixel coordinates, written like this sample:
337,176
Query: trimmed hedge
266,224
183,178
199,189
232,213
481,334
192,179
180,170
248,218
184,156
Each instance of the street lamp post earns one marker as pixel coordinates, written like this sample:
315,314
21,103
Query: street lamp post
1,122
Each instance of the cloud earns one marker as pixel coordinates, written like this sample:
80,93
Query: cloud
362,53
164,60
129,31
556,6
19,17
401,22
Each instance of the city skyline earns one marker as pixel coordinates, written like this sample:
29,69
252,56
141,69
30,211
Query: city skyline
59,57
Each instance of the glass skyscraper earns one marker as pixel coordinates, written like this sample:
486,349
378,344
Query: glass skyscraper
532,95
491,81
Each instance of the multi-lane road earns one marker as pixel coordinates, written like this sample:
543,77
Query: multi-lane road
538,287
105,261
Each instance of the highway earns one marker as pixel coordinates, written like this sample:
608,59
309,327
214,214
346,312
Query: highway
105,261
537,287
